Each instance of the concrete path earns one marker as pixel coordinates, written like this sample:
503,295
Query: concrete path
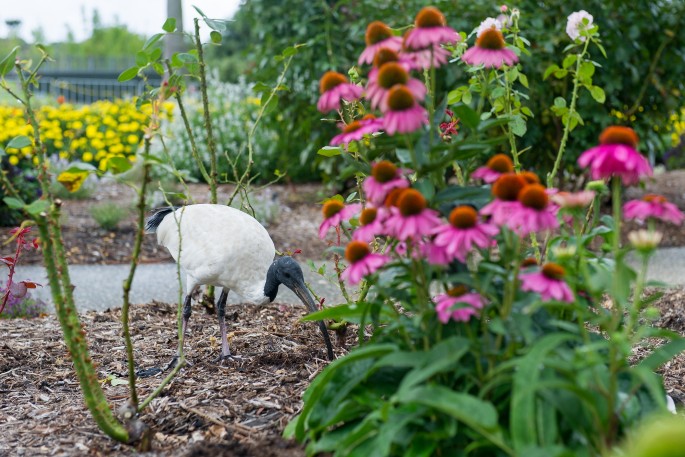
100,286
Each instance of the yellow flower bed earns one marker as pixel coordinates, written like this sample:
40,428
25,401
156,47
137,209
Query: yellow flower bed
89,133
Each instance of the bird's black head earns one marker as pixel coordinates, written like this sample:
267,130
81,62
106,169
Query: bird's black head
286,271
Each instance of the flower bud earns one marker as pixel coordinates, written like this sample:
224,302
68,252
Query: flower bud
645,241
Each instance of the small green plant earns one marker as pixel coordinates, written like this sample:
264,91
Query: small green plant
109,215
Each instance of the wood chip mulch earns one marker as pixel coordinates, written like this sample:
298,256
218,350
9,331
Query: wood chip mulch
238,408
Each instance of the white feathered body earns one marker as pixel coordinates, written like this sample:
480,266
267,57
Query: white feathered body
220,246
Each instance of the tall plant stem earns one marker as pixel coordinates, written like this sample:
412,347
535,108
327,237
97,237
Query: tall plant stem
54,259
510,132
191,136
128,282
208,120
571,112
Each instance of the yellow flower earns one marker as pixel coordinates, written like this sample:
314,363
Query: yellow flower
133,139
14,160
87,157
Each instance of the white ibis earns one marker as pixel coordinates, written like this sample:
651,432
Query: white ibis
225,247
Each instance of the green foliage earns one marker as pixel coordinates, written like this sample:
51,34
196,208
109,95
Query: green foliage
334,32
109,215
471,350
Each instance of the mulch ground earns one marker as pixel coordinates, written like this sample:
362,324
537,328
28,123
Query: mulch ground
238,408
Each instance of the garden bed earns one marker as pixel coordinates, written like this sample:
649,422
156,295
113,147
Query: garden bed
235,409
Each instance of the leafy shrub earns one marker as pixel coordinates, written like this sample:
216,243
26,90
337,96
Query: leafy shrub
24,182
640,75
494,328
108,215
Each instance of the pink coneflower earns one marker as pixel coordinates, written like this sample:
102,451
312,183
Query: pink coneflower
411,218
506,191
385,55
378,35
616,156
548,283
385,176
403,114
490,51
535,214
458,304
362,261
573,200
435,255
334,213
335,87
355,130
464,233
493,169
430,29
423,59
371,225
655,207
388,76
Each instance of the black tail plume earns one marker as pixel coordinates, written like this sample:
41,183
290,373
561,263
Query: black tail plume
152,222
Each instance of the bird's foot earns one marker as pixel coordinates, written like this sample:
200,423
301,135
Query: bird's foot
223,358
174,361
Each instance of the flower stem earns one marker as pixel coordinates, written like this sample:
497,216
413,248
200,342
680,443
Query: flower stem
571,111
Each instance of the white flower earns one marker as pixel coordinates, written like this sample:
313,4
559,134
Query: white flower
575,24
487,24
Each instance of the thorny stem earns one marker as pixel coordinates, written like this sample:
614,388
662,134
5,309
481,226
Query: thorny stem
60,284
571,112
128,282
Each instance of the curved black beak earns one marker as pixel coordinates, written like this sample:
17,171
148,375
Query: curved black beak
303,294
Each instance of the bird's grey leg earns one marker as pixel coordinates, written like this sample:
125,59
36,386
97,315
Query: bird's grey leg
221,316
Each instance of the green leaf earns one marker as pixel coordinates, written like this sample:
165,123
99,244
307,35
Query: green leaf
216,24
141,59
442,357
523,79
169,25
118,165
128,74
186,57
215,37
37,207
289,51
199,11
475,413
663,354
13,203
152,40
518,125
467,115
560,73
467,97
587,69
560,102
8,62
523,399
569,60
598,94
551,69
18,142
